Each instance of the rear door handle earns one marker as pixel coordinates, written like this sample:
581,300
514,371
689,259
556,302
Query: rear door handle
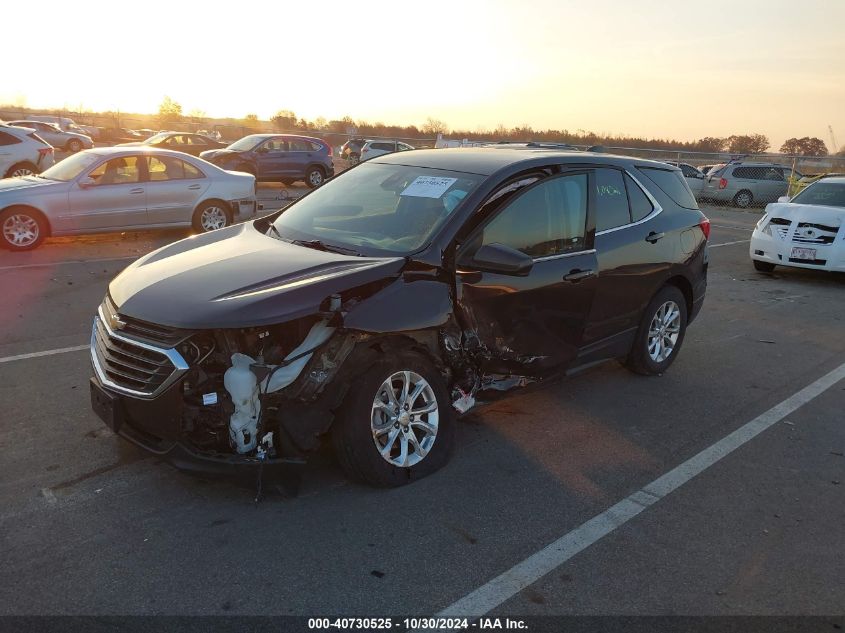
137,190
653,237
194,187
577,275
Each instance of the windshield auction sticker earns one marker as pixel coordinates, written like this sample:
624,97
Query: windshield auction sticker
428,187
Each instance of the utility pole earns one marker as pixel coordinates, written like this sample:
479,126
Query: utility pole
835,147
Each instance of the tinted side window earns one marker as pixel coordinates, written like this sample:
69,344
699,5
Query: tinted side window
548,218
671,183
773,174
641,206
297,145
8,139
315,147
386,147
169,168
611,202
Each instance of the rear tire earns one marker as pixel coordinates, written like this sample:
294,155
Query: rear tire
661,333
354,159
763,267
210,216
21,169
372,441
743,199
315,177
22,229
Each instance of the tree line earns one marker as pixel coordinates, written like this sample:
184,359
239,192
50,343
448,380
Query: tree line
286,120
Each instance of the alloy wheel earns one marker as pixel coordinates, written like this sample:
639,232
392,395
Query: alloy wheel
315,178
663,331
22,171
404,419
20,230
213,218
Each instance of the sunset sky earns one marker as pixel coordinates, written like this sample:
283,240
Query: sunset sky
651,68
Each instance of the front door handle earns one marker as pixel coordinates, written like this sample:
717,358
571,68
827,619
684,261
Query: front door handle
577,275
137,190
653,237
194,187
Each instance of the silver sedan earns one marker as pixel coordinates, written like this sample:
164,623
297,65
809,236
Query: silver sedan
120,189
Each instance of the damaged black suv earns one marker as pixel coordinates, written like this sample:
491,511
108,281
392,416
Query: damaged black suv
374,309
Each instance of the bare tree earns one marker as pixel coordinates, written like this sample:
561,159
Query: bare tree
433,127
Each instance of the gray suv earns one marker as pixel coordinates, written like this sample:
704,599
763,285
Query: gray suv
746,183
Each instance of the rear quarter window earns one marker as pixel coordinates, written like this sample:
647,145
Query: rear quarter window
671,183
8,139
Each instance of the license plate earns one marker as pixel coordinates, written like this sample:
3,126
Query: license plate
105,405
803,253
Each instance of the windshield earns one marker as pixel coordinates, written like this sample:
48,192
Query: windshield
156,138
246,143
828,194
71,167
394,209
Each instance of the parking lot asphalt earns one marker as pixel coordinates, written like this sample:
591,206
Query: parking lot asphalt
91,525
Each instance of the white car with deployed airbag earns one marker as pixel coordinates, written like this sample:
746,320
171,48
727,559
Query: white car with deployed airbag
807,231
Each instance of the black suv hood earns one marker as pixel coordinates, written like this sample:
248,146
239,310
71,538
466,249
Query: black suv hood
238,277
211,154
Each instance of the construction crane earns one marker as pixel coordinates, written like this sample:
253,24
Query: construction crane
835,147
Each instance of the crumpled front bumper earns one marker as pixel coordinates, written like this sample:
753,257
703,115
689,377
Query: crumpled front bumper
154,425
774,250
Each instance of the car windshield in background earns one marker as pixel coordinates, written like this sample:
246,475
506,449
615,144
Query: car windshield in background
156,138
70,167
246,143
394,209
829,194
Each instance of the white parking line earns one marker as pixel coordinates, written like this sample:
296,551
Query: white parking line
48,352
733,228
505,586
73,261
728,243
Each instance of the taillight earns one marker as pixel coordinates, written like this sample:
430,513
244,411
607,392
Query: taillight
722,183
45,151
331,151
365,150
705,228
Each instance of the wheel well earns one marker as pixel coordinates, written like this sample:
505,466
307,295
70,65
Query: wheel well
318,166
683,284
34,212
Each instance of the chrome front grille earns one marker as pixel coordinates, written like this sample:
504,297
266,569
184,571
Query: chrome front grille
130,366
157,335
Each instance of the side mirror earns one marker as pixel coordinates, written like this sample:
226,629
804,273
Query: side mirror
85,183
783,199
498,258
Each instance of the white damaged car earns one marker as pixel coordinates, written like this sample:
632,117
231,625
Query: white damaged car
807,231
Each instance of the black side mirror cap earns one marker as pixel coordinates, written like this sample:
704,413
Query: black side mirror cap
498,258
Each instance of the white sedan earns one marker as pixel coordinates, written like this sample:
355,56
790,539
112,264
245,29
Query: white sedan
122,189
807,231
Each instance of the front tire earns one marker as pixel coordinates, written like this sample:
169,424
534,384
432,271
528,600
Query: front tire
743,199
74,145
315,177
21,229
354,159
396,424
763,267
661,333
211,216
